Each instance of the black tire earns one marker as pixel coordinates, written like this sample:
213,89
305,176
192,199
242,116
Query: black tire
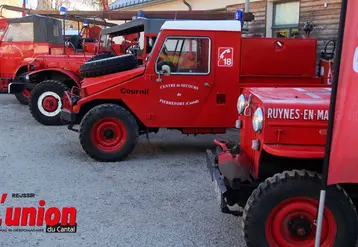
290,185
116,113
54,89
108,66
100,56
22,98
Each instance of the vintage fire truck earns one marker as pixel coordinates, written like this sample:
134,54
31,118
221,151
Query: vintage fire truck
22,39
51,75
275,170
190,82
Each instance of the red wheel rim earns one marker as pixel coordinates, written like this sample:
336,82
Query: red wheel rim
291,224
109,134
26,93
50,104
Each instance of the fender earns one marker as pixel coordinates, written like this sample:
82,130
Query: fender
23,64
26,63
75,77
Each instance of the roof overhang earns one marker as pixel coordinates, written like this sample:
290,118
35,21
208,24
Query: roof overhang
135,26
231,26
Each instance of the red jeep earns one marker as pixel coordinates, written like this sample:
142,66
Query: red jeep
190,82
280,169
21,39
275,170
51,75
272,171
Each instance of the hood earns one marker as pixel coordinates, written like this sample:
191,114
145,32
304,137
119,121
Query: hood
67,62
307,104
96,84
295,116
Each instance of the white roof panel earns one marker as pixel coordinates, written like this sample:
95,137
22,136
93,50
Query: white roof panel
232,26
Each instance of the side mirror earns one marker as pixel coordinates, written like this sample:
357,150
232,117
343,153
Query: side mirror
166,70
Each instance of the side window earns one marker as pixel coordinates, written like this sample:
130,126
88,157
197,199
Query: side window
18,32
56,30
286,19
185,55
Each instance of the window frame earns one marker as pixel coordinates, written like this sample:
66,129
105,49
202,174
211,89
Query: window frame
185,73
287,26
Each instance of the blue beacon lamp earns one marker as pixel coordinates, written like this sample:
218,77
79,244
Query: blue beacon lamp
239,16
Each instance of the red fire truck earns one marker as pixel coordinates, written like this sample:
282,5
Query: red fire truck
190,82
275,170
23,39
51,75
20,41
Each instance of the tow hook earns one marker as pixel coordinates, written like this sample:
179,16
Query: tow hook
70,127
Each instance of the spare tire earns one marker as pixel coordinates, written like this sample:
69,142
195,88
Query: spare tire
108,66
100,56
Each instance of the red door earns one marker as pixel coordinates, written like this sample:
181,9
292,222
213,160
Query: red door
178,98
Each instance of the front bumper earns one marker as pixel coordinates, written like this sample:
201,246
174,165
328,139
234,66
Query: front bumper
218,182
231,177
18,85
68,114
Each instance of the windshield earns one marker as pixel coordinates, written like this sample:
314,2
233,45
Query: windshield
155,43
19,32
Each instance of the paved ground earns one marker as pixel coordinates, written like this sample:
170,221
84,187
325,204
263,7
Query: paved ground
161,196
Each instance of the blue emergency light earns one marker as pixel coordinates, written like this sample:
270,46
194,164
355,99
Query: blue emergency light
85,23
239,16
63,10
140,13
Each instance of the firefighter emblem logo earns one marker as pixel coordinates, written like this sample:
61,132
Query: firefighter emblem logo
226,57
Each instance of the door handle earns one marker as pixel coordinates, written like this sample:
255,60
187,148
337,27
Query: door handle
207,84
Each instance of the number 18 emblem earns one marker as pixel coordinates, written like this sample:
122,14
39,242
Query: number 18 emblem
226,57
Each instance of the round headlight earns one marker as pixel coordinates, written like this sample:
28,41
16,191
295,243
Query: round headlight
258,119
241,102
27,77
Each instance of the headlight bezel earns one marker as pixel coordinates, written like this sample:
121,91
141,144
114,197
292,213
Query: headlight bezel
241,104
258,120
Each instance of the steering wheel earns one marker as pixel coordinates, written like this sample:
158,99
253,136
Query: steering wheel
133,49
70,44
